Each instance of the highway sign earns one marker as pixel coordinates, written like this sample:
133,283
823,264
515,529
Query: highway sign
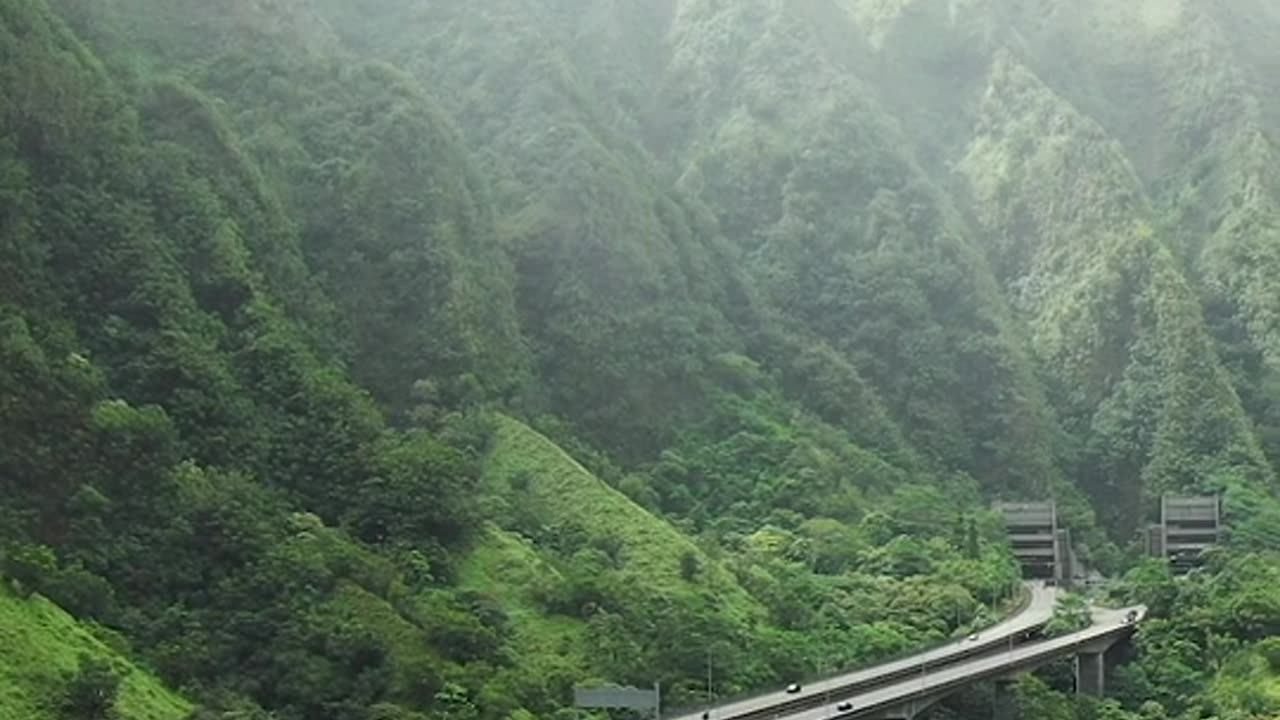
615,697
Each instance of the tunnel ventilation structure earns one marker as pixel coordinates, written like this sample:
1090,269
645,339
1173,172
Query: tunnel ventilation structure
1188,526
1042,548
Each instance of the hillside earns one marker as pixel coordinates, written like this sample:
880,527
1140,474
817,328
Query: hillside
570,544
42,644
412,359
1112,319
949,336
547,491
617,582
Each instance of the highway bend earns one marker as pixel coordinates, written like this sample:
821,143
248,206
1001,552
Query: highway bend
923,678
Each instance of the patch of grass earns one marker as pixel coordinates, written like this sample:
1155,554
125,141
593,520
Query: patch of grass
503,566
354,606
39,642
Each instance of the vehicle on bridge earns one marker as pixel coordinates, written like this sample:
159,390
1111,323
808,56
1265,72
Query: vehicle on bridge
905,687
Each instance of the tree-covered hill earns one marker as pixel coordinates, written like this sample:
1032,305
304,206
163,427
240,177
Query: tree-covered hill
1113,321
411,358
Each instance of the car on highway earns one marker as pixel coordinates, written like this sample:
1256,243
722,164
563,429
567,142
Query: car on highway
793,688
845,706
973,637
1131,617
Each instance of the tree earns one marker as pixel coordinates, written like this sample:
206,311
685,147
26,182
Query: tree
972,549
1069,615
835,547
424,491
455,703
904,556
90,692
689,565
31,567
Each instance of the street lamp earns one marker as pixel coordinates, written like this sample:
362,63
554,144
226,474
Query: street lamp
710,692
824,671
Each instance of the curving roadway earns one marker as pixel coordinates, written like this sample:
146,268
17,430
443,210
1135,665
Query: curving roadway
813,697
922,690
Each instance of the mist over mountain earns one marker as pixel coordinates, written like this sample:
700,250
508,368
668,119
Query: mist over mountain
426,358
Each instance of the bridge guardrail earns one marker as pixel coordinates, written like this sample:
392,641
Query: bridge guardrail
800,703
1034,655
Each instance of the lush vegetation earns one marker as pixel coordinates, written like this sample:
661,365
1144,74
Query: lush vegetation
390,360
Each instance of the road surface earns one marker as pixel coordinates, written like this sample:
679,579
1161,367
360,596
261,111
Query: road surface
994,664
1038,611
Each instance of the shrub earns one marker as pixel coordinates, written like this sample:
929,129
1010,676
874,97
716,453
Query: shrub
689,565
90,692
30,567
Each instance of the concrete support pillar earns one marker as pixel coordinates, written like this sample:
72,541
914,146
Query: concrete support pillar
1091,669
1003,703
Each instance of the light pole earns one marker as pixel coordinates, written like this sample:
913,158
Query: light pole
710,694
823,671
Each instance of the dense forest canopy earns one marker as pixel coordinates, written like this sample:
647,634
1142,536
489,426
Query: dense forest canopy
414,359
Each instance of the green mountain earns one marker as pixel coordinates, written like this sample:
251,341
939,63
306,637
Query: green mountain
412,359
1112,319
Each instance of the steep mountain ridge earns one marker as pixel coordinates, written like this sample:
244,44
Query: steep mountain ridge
713,321
222,492
1056,200
806,202
840,185
1188,89
1111,317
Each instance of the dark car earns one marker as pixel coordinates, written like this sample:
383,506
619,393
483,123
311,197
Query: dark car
845,706
793,688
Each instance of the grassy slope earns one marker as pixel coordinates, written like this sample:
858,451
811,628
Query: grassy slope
562,493
39,642
503,566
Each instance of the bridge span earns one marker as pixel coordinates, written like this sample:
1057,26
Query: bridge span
901,689
904,699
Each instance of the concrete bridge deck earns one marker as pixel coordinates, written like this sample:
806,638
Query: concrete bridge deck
900,689
902,700
1036,613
